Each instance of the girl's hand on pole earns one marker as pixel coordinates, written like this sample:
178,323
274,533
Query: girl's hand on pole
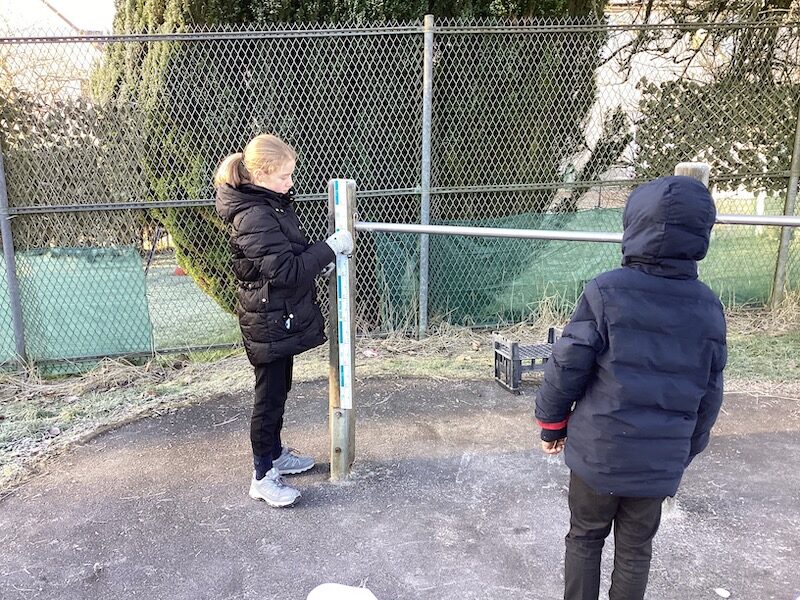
341,242
329,268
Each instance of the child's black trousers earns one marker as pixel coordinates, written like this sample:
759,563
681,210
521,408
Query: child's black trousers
273,382
635,522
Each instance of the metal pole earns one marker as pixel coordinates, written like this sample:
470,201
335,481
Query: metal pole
15,303
425,208
551,234
529,234
781,265
341,334
781,221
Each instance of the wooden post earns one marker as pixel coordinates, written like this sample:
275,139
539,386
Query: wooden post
701,171
698,170
341,334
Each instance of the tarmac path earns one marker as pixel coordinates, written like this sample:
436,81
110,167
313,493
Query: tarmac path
450,499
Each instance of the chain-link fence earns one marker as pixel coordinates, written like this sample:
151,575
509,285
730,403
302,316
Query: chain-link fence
110,144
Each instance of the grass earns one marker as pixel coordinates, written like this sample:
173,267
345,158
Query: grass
764,357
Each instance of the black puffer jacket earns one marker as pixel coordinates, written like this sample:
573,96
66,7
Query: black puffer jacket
643,354
276,267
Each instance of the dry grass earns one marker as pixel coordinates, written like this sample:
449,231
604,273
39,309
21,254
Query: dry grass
40,418
107,376
785,318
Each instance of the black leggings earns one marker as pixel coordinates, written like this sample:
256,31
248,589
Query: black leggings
273,382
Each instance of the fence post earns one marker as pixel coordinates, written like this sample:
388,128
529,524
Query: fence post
781,265
341,333
15,303
425,206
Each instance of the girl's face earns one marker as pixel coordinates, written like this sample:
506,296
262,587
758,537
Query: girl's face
280,180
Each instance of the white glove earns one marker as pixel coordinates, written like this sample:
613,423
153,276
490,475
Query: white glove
341,242
329,268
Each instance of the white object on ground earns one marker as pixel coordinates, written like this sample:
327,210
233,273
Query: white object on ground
722,592
334,591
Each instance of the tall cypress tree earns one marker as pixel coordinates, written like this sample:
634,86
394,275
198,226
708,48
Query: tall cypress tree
203,100
171,84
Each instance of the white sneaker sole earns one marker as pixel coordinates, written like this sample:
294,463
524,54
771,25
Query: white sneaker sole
296,471
257,496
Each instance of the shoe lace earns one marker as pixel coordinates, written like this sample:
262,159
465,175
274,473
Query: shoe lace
277,480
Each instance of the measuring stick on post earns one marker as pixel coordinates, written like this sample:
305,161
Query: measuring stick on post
341,333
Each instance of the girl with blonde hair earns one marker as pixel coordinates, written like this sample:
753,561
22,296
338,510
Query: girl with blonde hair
275,267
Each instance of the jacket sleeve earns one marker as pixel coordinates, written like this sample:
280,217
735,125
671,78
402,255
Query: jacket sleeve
710,405
260,237
571,365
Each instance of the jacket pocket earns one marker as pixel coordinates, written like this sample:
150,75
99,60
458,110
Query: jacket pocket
254,296
280,324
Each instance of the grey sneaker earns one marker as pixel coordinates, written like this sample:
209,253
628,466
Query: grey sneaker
272,490
291,463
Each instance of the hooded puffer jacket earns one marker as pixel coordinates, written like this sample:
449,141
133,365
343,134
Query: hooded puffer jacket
637,375
275,266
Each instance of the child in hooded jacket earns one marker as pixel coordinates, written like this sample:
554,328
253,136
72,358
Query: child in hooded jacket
634,385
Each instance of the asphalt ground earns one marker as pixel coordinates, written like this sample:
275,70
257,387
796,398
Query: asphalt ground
450,498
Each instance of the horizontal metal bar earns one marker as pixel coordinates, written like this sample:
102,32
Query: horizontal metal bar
742,176
145,354
776,220
106,206
534,234
600,27
500,28
533,187
415,191
211,36
146,205
547,234
178,350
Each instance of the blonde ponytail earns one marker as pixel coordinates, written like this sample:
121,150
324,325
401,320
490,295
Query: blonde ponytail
231,171
265,152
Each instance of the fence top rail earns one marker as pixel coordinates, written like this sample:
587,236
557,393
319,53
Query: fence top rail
207,36
380,30
601,27
133,204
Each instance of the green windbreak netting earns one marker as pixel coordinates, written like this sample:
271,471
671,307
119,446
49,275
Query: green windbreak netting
486,281
6,330
83,302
